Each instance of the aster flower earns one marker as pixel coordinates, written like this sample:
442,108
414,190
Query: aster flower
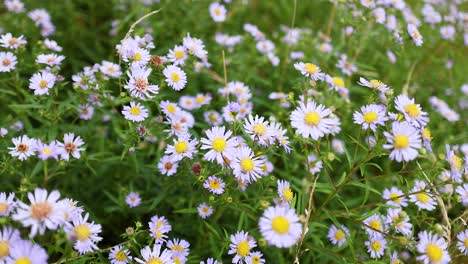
182,147
43,213
7,203
119,255
404,140
24,147
210,261
46,151
86,111
394,197
219,145
135,112
280,226
379,15
15,6
255,258
399,220
462,242
138,56
312,120
246,166
178,247
284,191
374,225
51,59
110,69
376,246
457,165
52,45
315,165
241,245
167,165
217,12
42,82
214,185
8,238
133,199
195,47
258,129
204,210
158,227
138,84
371,116
339,235
84,234
432,249
25,251
10,42
413,113
70,146
462,191
346,67
175,77
155,255
309,70
374,84
422,198
415,35
8,61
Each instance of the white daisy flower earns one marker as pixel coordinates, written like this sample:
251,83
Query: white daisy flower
346,67
119,255
182,147
432,248
178,247
371,116
245,166
214,185
404,140
241,245
284,191
110,69
158,227
338,146
462,191
280,226
51,59
422,198
10,42
309,70
312,120
217,12
338,236
447,32
52,45
138,56
85,111
195,47
138,83
8,238
150,256
462,242
399,220
379,15
394,197
41,82
412,111
374,84
25,251
315,165
368,3
71,146
255,258
204,210
169,108
8,61
3,131
213,118
7,203
84,234
24,147
43,213
210,261
70,210
167,165
415,35
175,77
258,129
376,246
15,6
46,151
178,55
374,225
133,199
135,112
336,83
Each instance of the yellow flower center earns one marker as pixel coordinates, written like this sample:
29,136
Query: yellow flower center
4,249
422,197
181,147
154,260
135,110
111,69
457,162
375,83
40,210
6,62
247,164
46,151
243,248
171,108
465,242
23,260
323,47
401,141
337,81
312,119
412,110
339,235
393,197
255,260
375,224
177,248
427,134
288,194
370,117
219,144
200,99
376,246
310,68
137,56
214,184
179,54
217,11
121,256
259,129
280,224
3,207
82,232
43,84
434,252
175,77
205,210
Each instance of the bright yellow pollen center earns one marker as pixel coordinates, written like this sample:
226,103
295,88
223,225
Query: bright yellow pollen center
375,224
181,147
4,249
137,56
3,207
339,235
82,232
465,242
175,77
219,144
393,197
375,83
337,81
323,47
457,162
422,197
401,141
46,151
427,133
256,260
412,110
310,68
179,54
280,224
376,246
247,164
135,110
370,117
243,248
214,184
217,11
434,252
200,99
23,260
177,248
288,194
312,119
43,84
171,109
154,260
259,129
121,256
